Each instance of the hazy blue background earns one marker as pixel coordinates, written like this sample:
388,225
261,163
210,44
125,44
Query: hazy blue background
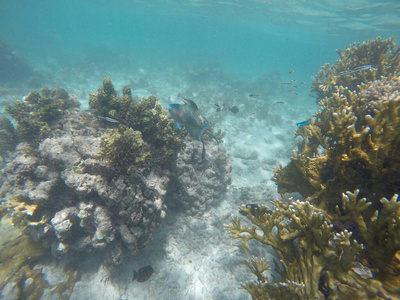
245,38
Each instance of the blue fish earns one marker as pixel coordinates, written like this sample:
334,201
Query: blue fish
304,123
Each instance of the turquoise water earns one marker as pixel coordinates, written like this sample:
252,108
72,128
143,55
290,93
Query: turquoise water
246,38
216,53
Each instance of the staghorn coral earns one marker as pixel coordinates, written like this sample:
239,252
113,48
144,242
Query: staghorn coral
145,116
36,113
380,234
353,142
315,261
383,55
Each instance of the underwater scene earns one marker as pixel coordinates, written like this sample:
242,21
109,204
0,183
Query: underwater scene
198,149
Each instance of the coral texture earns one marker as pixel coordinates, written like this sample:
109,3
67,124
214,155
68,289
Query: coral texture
352,142
36,113
316,261
196,182
382,55
95,184
84,201
337,245
158,141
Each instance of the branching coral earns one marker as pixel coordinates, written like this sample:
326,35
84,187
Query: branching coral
145,116
35,113
315,261
380,233
353,143
382,55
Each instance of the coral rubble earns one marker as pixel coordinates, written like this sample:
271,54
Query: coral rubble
338,244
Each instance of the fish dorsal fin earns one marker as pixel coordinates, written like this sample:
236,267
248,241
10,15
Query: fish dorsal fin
191,103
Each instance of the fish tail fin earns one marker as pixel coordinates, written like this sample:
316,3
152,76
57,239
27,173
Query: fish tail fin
201,132
214,137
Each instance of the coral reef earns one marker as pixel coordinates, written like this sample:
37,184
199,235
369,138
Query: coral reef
316,261
95,185
197,183
124,147
84,201
158,138
382,55
353,142
19,278
336,245
36,113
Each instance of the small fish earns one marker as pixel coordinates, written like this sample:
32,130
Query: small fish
289,91
254,208
362,270
254,96
303,82
294,86
234,109
219,107
108,119
285,83
304,123
143,274
357,69
279,102
363,67
294,80
312,96
290,72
